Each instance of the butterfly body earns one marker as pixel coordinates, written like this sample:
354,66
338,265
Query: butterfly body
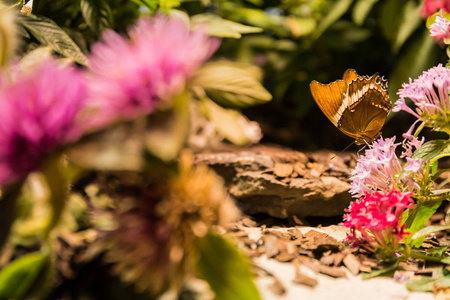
356,105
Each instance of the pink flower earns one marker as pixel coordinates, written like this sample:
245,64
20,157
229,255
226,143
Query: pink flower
128,77
380,169
432,6
440,29
430,95
378,218
39,114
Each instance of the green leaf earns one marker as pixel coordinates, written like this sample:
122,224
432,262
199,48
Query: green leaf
361,10
150,4
230,123
433,150
18,277
411,19
417,58
387,270
35,57
48,33
446,260
428,230
167,131
424,284
223,28
419,216
335,13
225,269
230,85
98,15
258,18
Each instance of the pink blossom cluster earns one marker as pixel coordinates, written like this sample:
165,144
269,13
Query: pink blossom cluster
440,29
50,106
378,217
430,95
380,169
130,76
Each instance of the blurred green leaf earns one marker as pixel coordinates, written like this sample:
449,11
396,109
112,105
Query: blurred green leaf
223,28
258,18
167,131
35,57
386,270
150,4
432,150
361,10
428,230
225,269
417,58
423,284
98,15
335,13
411,19
230,85
18,277
230,123
48,33
301,26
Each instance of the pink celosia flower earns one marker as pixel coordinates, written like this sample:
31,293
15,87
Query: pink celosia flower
129,76
440,29
380,169
432,6
378,218
430,95
38,112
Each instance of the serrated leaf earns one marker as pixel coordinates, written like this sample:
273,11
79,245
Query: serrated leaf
428,230
230,85
361,10
339,8
49,34
225,269
222,28
17,278
432,150
98,15
230,123
167,131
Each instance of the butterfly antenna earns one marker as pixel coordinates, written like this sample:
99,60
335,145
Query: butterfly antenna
343,150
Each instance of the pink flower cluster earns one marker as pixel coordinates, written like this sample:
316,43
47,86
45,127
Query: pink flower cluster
38,114
130,76
440,29
378,217
430,94
50,106
432,6
380,169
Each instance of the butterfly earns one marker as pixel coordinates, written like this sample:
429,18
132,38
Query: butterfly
356,105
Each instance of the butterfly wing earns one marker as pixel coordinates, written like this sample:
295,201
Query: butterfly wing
370,105
329,97
350,75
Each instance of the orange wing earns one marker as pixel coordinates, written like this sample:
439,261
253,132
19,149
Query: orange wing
329,97
350,75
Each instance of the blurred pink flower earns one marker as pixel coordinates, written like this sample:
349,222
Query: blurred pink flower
378,217
39,113
430,94
432,6
380,169
129,76
440,29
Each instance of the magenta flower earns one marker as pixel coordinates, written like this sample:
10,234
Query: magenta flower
380,169
430,95
432,6
440,29
128,77
378,218
39,114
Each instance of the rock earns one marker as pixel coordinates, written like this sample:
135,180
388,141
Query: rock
282,182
